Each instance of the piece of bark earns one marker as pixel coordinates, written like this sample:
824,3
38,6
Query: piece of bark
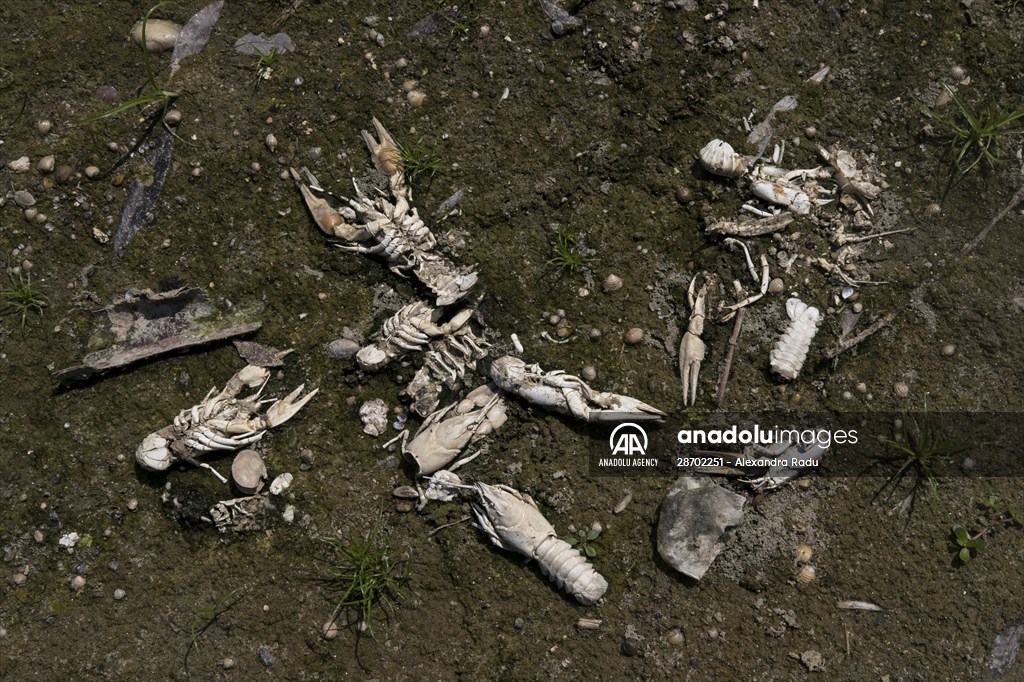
146,325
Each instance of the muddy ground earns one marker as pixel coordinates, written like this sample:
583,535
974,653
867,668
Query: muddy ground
599,129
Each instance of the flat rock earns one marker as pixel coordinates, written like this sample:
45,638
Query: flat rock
694,515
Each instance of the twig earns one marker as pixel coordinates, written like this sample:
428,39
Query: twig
973,244
844,346
843,239
723,383
448,525
196,634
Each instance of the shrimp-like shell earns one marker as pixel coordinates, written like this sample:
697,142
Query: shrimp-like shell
720,158
787,358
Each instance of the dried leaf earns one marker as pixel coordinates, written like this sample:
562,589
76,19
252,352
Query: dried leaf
195,33
262,46
140,204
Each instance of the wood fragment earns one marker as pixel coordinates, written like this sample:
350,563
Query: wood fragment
844,346
623,503
723,383
589,623
448,525
858,606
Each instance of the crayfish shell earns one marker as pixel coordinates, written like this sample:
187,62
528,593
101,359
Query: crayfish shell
782,194
787,358
720,158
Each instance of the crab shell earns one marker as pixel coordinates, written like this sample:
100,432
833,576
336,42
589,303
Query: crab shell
720,158
371,358
154,454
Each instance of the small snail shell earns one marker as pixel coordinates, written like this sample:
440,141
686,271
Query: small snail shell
612,283
720,158
806,575
803,553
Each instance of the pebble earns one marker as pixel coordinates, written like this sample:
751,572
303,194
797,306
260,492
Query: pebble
589,373
342,349
958,73
847,395
330,630
77,583
172,117
62,173
611,283
46,164
683,194
228,663
948,349
266,658
901,389
485,31
133,504
858,307
416,98
270,141
91,172
810,132
113,146
19,165
519,623
776,286
19,579
633,336
861,388
24,199
44,126
119,594
38,536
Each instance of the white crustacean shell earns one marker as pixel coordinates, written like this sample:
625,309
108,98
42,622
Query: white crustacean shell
787,358
154,453
720,158
782,193
374,414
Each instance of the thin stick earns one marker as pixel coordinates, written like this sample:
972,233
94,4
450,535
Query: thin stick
847,642
844,346
973,244
843,239
723,383
448,525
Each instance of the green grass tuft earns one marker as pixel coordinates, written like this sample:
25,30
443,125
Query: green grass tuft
367,575
23,298
419,162
973,137
570,253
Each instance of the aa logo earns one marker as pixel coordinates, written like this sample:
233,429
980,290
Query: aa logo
628,439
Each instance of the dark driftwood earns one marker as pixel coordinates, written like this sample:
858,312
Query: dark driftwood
146,325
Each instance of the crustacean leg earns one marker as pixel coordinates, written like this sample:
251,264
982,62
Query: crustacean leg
692,348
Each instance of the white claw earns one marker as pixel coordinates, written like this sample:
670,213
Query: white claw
288,407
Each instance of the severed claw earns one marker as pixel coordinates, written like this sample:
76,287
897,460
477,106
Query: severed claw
692,349
287,407
327,218
387,158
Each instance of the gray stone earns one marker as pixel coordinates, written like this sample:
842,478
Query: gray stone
694,515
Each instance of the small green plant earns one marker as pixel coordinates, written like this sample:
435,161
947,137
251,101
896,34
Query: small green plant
583,541
23,298
974,137
366,574
419,162
920,451
570,251
995,515
155,94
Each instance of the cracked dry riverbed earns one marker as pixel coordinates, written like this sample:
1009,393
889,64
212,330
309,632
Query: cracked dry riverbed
596,130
